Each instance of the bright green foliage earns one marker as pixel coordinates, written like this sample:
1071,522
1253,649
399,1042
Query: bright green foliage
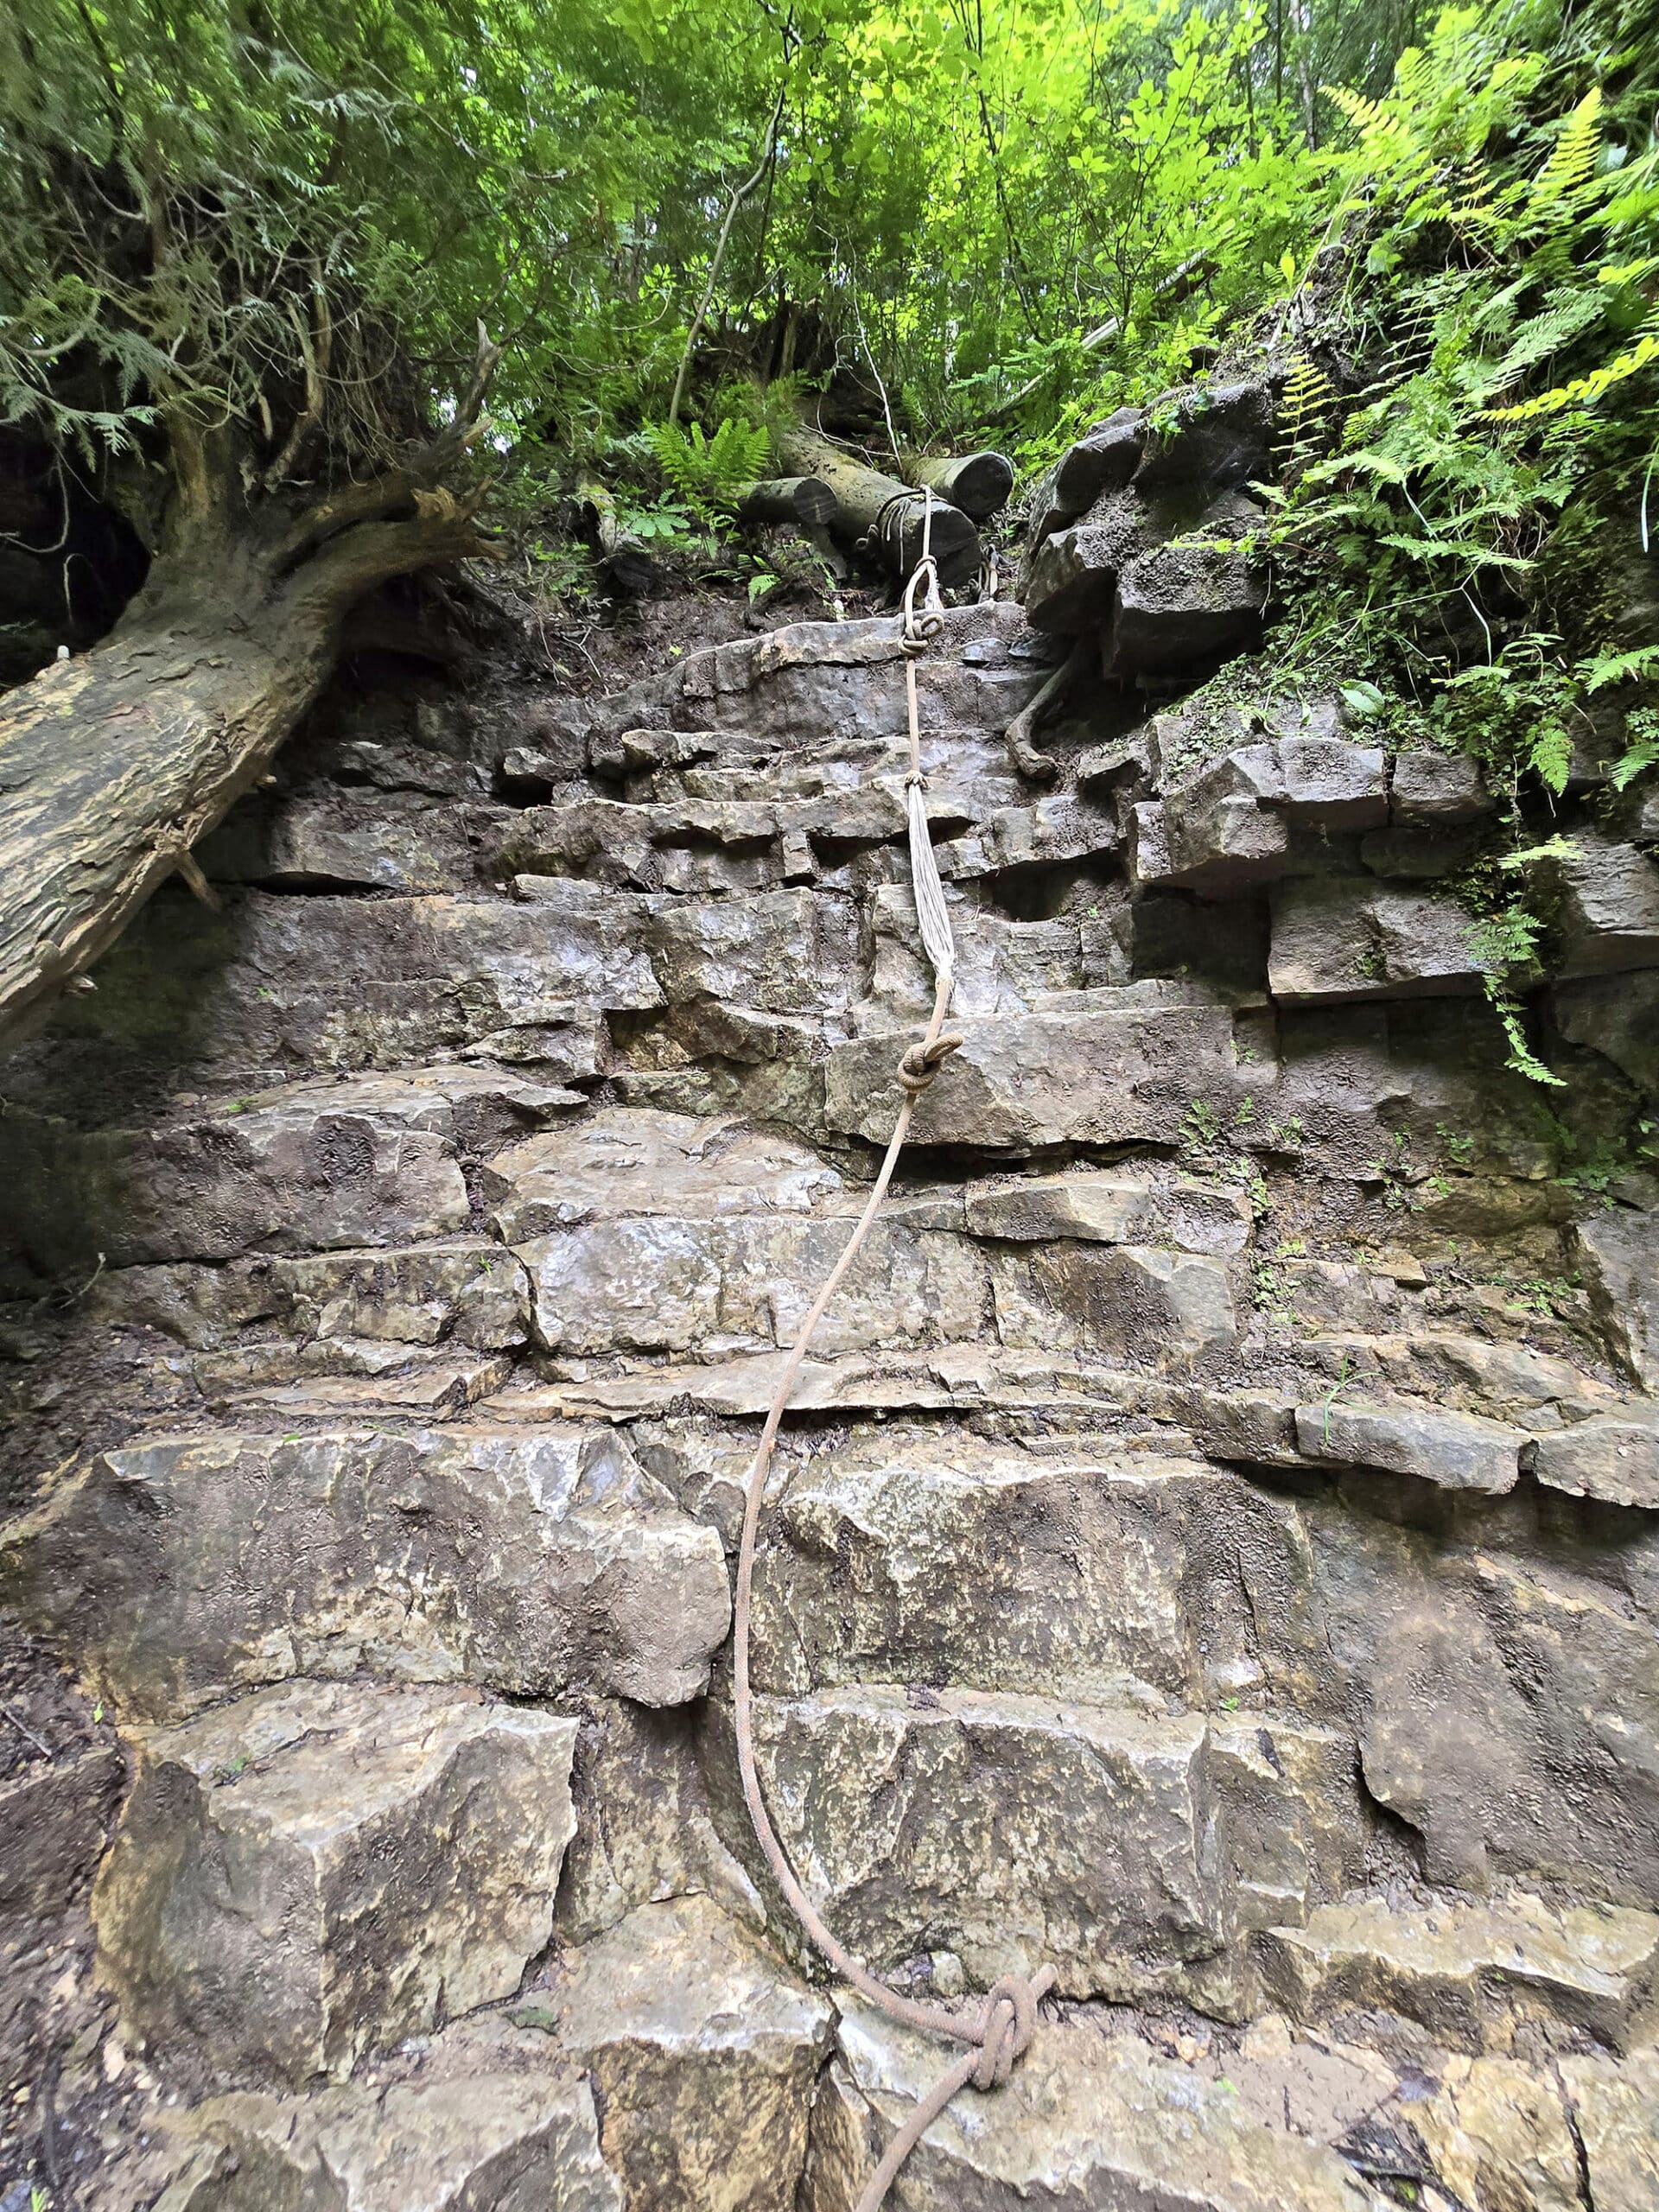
1502,241
708,473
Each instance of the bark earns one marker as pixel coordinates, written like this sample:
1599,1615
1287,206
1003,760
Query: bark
628,561
881,516
978,483
113,765
803,500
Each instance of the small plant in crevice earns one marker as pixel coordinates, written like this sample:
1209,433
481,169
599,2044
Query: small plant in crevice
1394,1172
1200,1127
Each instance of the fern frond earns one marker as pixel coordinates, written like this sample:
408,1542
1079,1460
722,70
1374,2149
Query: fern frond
1572,162
1307,397
1619,668
1584,391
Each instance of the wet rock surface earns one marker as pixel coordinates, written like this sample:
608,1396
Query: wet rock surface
1214,1552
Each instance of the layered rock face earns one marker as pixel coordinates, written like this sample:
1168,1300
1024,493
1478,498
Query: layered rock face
1214,1552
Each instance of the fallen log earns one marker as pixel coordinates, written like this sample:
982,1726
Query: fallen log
881,516
803,500
978,483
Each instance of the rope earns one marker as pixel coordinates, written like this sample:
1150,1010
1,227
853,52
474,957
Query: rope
999,2032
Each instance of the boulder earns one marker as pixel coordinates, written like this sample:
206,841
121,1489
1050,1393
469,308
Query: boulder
1216,435
1097,1208
194,1566
1226,828
1498,2133
1333,785
1507,1710
1617,1016
1102,460
1436,790
1125,1073
1453,1450
1094,1573
1185,605
1125,1844
1084,2121
703,2054
467,1291
325,1868
1130,1302
492,2134
636,1161
295,1173
644,1833
1616,2119
336,839
275,984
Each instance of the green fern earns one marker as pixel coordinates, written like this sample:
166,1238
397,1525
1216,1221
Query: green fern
1304,410
1585,390
1572,164
709,474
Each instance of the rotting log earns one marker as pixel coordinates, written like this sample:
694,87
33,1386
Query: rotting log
881,516
627,561
805,501
978,483
113,764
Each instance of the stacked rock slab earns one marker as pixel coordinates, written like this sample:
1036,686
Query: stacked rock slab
1214,1553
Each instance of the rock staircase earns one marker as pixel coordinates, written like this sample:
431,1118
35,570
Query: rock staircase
1201,1558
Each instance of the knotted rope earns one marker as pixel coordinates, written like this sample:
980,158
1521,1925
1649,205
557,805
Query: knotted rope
999,2032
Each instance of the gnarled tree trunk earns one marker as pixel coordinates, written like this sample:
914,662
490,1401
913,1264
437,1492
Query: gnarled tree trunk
113,765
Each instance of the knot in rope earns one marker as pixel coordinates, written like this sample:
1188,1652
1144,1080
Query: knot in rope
919,626
918,1069
1005,2028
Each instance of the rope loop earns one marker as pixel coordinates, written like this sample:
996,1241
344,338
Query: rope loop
1005,2028
923,1062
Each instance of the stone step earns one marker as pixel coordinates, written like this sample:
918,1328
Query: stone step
958,1378
369,1161
1132,1848
649,1232
1082,2121
527,1561
479,2122
346,1377
1470,1972
703,2055
325,1868
1093,1574
458,1290
1123,1073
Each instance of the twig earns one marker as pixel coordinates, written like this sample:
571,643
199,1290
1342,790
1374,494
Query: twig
737,201
23,1729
